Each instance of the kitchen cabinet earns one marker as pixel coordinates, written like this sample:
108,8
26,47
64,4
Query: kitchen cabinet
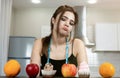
107,37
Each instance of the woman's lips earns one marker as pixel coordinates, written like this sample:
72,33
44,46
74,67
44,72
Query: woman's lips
65,28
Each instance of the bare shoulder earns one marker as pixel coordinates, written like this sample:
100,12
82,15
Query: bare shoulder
78,41
78,45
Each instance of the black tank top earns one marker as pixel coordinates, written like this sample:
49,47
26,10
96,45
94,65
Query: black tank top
58,63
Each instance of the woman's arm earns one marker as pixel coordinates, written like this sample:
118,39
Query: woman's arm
36,52
80,51
83,68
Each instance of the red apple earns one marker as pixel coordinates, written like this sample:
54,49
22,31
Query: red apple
32,70
69,70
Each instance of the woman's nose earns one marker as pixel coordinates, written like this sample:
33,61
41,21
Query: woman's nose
67,23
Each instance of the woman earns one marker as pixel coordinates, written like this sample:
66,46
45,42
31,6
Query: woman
52,49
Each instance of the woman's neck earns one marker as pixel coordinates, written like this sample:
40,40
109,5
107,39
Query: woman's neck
58,40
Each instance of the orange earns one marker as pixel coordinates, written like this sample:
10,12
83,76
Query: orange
106,70
12,68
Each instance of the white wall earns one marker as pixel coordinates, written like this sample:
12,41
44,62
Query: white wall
12,21
28,22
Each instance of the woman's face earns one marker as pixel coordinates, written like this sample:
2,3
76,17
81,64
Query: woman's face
67,22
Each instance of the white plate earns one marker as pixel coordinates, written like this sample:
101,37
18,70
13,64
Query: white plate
48,73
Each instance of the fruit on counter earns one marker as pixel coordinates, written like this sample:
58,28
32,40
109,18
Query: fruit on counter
106,70
12,68
68,70
32,70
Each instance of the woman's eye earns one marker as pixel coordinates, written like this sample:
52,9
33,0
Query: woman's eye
72,23
63,19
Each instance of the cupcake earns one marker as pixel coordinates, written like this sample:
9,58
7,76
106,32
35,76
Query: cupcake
48,70
48,67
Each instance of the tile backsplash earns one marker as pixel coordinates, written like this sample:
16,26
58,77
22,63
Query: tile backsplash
95,59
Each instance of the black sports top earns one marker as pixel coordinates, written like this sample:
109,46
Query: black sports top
58,63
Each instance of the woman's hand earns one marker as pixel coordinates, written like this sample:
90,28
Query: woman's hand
83,70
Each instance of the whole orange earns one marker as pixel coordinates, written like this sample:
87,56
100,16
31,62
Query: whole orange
107,70
12,68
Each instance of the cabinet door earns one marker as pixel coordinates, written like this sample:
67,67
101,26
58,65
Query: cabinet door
106,37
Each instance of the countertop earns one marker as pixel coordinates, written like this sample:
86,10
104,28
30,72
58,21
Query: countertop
43,77
28,77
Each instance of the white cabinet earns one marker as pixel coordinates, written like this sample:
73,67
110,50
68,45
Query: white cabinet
107,37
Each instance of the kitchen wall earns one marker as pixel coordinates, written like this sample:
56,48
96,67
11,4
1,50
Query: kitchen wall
100,15
28,22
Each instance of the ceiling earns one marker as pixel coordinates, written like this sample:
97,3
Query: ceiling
54,3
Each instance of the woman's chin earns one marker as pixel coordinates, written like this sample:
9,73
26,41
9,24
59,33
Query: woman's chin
64,35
